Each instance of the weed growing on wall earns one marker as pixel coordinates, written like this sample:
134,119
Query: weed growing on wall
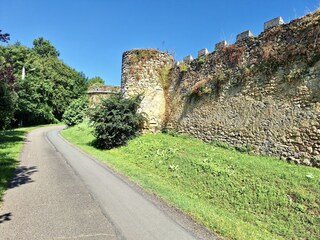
166,78
164,74
200,88
303,45
183,67
201,60
142,55
232,54
205,86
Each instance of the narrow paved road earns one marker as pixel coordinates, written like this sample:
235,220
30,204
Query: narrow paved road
61,193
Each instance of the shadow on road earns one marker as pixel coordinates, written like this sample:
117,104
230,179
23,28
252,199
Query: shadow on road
22,176
5,217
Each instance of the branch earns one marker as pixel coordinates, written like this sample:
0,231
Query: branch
4,37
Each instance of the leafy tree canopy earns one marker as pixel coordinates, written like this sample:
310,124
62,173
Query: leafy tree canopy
47,87
7,86
95,82
44,48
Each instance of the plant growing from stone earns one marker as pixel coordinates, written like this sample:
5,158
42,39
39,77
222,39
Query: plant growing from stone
201,60
164,74
183,67
232,54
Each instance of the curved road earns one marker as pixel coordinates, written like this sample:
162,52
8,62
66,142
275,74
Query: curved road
61,193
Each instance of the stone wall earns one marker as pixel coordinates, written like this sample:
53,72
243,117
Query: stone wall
96,93
261,93
143,74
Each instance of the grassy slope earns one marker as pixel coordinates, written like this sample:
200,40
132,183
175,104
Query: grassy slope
235,195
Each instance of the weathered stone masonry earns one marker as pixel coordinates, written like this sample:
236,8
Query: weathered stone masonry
261,92
96,93
141,75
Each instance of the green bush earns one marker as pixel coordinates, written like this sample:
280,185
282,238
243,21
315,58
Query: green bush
115,121
76,112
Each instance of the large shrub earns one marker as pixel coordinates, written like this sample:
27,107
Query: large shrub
76,112
116,120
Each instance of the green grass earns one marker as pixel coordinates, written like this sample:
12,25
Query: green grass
11,142
235,195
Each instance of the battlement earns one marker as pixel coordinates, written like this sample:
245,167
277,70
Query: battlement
261,92
240,37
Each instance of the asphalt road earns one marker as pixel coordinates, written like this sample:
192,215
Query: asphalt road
61,193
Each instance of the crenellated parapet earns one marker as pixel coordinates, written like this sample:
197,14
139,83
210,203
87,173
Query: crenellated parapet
240,37
261,93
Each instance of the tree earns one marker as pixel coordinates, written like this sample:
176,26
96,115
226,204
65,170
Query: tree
49,85
4,37
44,48
95,82
7,105
33,102
7,86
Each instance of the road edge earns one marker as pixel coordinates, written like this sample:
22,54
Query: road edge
182,219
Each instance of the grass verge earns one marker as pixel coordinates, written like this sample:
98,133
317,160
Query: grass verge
235,195
11,142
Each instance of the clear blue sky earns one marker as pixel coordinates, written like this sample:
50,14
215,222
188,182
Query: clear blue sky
91,35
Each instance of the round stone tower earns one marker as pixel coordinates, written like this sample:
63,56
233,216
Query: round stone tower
142,74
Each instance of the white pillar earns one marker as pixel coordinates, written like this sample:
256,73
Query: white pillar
23,75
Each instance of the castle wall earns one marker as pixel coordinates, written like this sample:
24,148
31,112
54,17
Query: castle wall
260,94
96,93
142,71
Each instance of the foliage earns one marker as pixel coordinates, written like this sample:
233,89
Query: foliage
44,48
232,54
33,102
95,82
76,112
7,93
200,88
49,85
302,46
116,120
142,55
183,67
206,85
201,60
7,105
235,195
4,37
164,74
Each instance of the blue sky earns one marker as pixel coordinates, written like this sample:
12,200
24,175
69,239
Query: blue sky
91,35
